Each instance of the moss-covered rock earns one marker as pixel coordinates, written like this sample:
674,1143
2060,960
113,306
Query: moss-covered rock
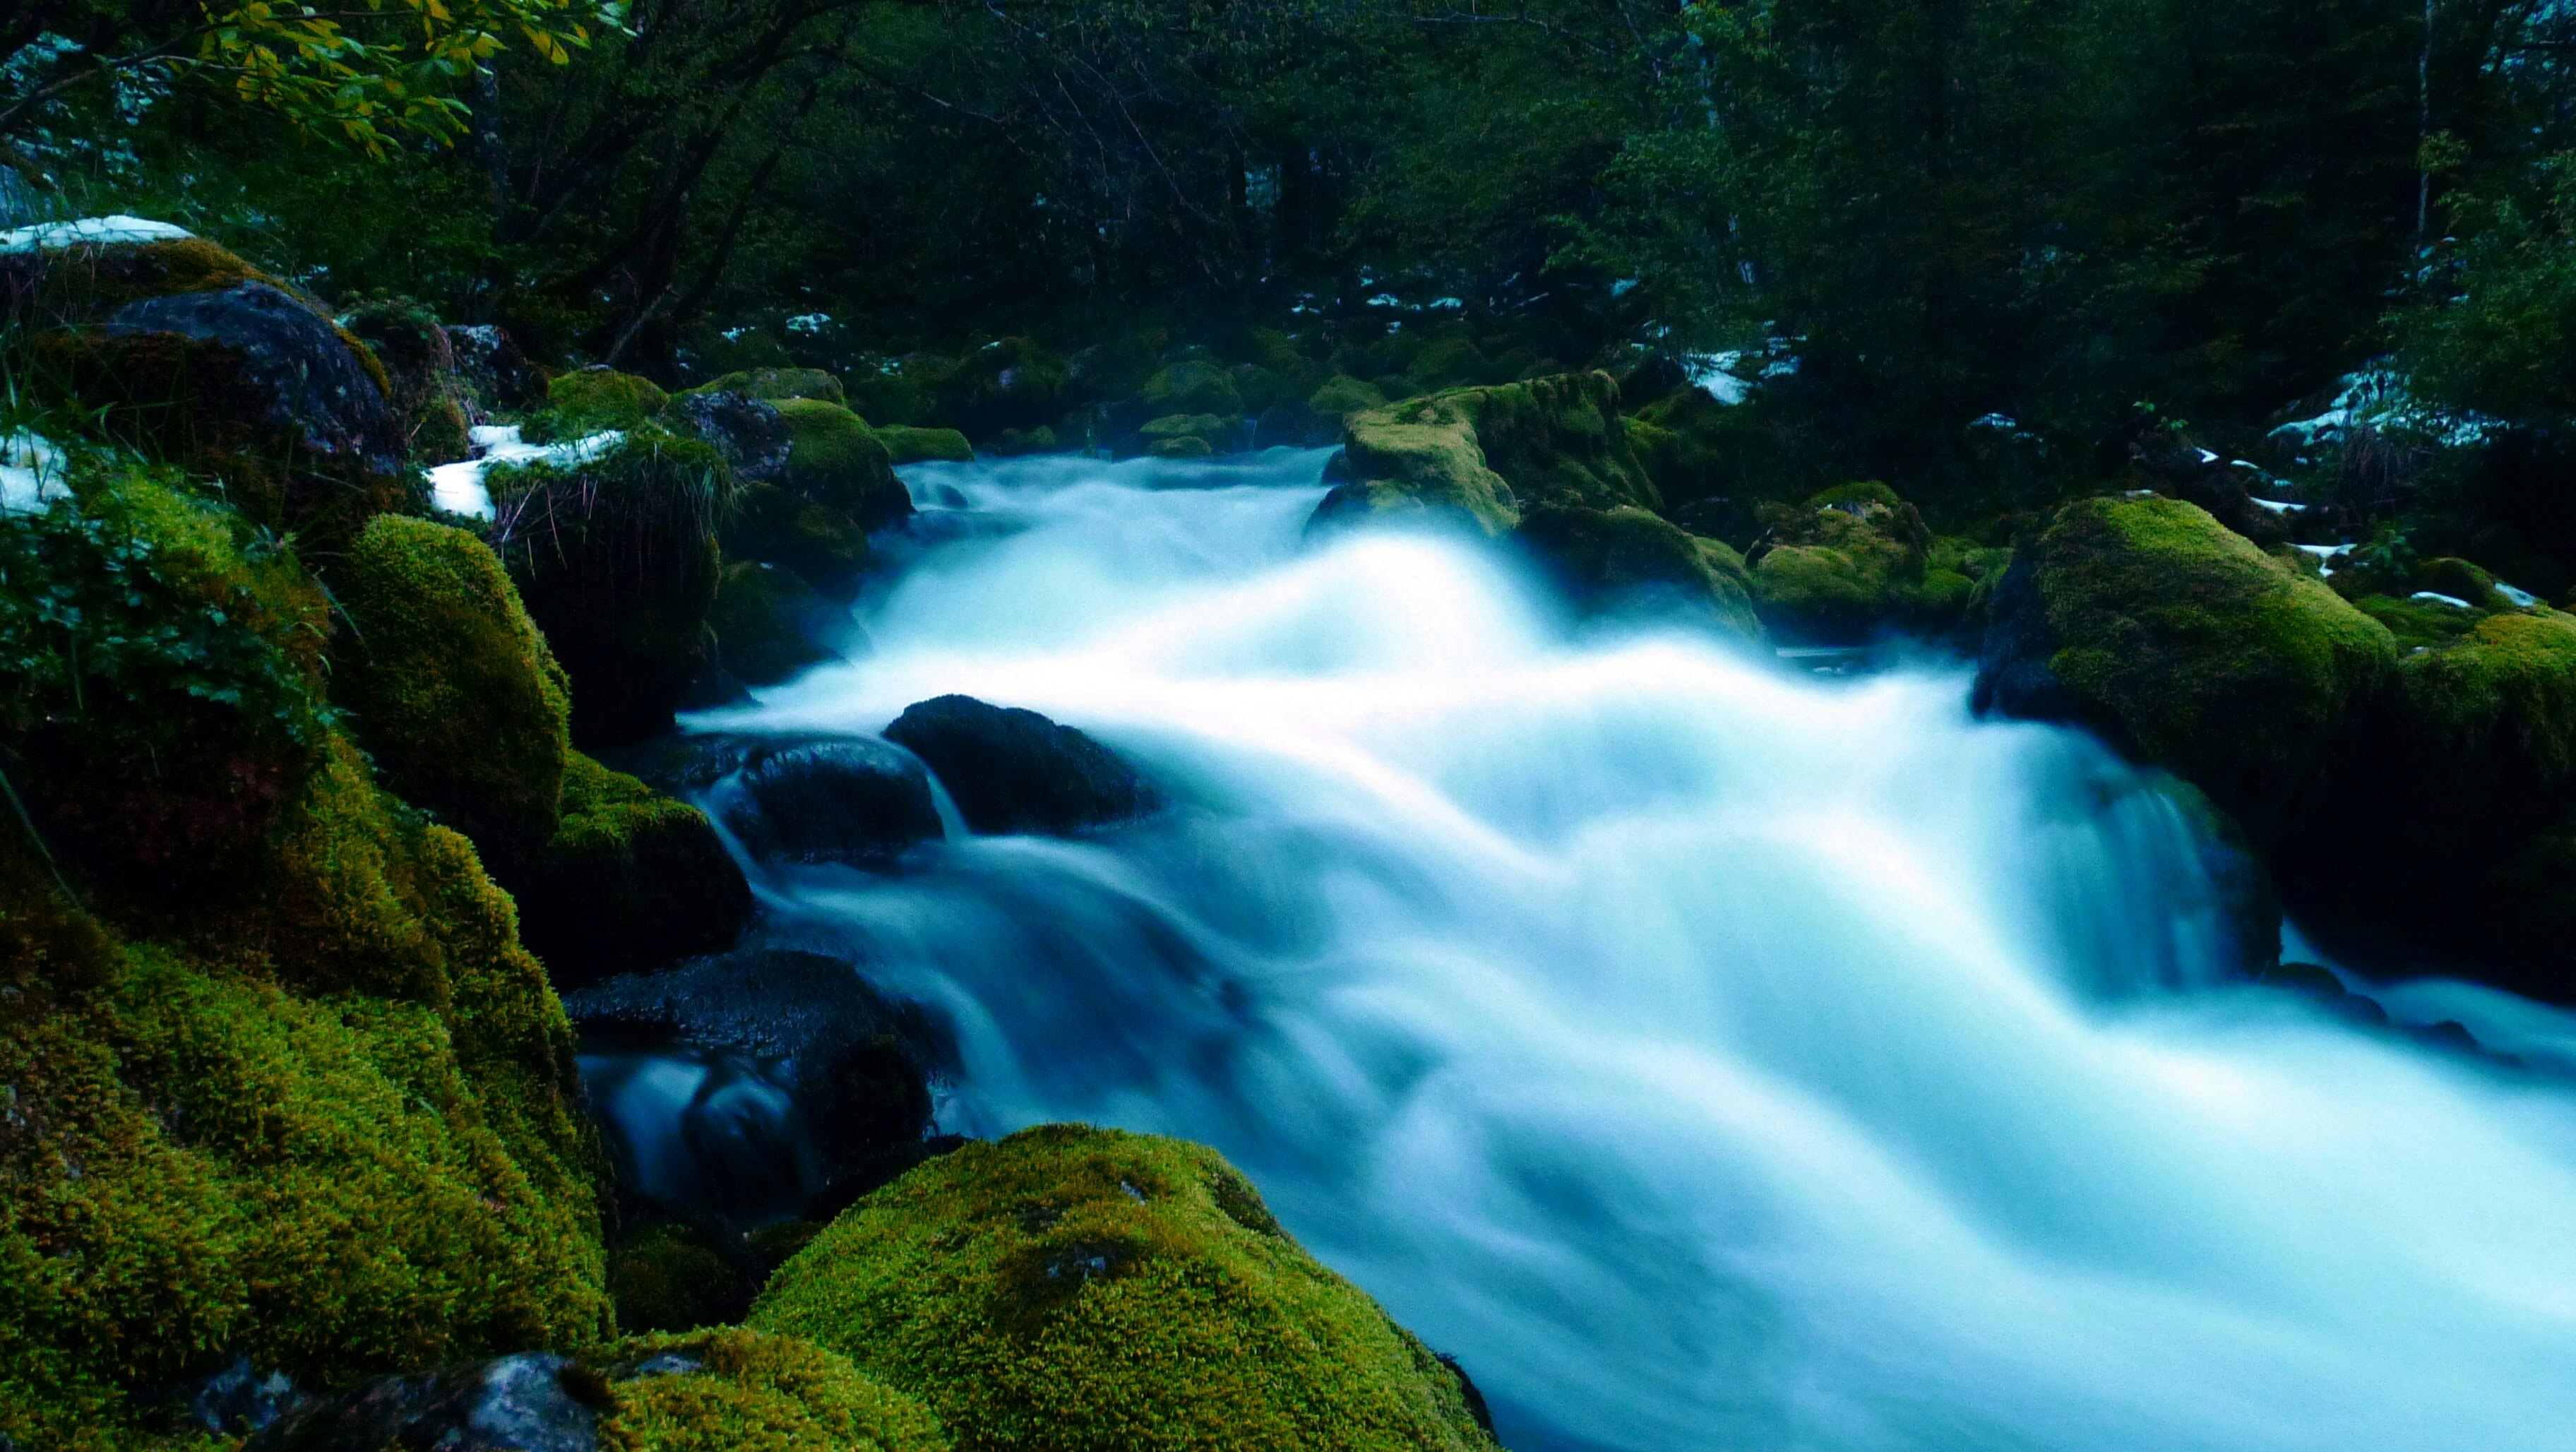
616,559
1480,455
307,1100
430,401
1855,561
449,686
772,524
770,624
913,446
1192,388
2152,622
742,1391
1215,431
1628,558
1086,1289
665,1278
632,880
1341,395
836,462
776,384
2419,624
587,400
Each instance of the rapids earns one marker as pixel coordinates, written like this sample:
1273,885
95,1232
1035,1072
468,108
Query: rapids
1708,1054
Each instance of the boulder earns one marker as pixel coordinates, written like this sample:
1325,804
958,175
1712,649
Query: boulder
1479,456
587,400
747,430
913,446
856,1064
696,1392
1627,558
1218,433
631,880
1116,1290
1181,447
776,384
492,370
1011,770
836,462
615,556
1341,395
1192,388
830,799
430,402
770,625
449,686
2184,643
1851,563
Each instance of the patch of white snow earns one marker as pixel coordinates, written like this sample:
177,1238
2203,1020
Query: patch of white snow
1714,375
90,232
458,488
2522,599
2279,506
2435,597
31,473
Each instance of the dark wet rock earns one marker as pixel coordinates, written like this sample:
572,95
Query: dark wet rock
747,430
808,1086
1013,770
240,1399
631,880
316,387
492,369
803,799
532,1402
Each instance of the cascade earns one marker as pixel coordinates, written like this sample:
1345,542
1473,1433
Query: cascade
1707,1054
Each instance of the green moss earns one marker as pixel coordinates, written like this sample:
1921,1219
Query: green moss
2210,657
587,400
77,285
1086,1289
616,560
665,1279
1193,387
753,1393
776,384
1186,446
1342,395
1483,454
2419,624
835,461
1609,558
1449,362
632,880
419,367
2499,702
762,620
912,446
450,686
2461,581
1856,560
774,525
1211,429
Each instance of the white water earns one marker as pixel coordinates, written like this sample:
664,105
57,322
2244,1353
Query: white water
1708,1056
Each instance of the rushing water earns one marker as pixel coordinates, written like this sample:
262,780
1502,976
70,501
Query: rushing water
1708,1055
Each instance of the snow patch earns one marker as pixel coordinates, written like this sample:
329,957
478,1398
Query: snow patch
1714,375
2278,506
31,473
2435,597
458,488
90,232
2522,599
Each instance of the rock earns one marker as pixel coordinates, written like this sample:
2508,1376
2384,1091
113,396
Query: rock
492,370
1185,446
2188,646
632,880
1478,456
1626,558
587,400
1017,443
1013,770
2174,464
1217,433
255,385
617,562
431,406
239,1399
913,446
1341,395
450,687
532,1402
838,464
1023,1283
832,799
1851,563
746,429
1192,388
770,625
858,1063
776,384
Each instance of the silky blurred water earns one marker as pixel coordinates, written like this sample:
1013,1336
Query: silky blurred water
1707,1054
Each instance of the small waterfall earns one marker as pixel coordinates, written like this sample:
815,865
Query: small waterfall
1709,1055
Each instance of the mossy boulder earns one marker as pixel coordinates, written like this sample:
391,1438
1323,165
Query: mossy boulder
2181,640
1182,447
771,524
632,880
1853,562
1341,395
776,384
450,687
1479,456
1215,431
617,562
835,461
430,402
304,1098
1627,558
1087,1289
588,400
914,445
1192,388
185,350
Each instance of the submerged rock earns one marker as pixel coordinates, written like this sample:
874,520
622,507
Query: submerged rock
1087,1288
1013,770
813,799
